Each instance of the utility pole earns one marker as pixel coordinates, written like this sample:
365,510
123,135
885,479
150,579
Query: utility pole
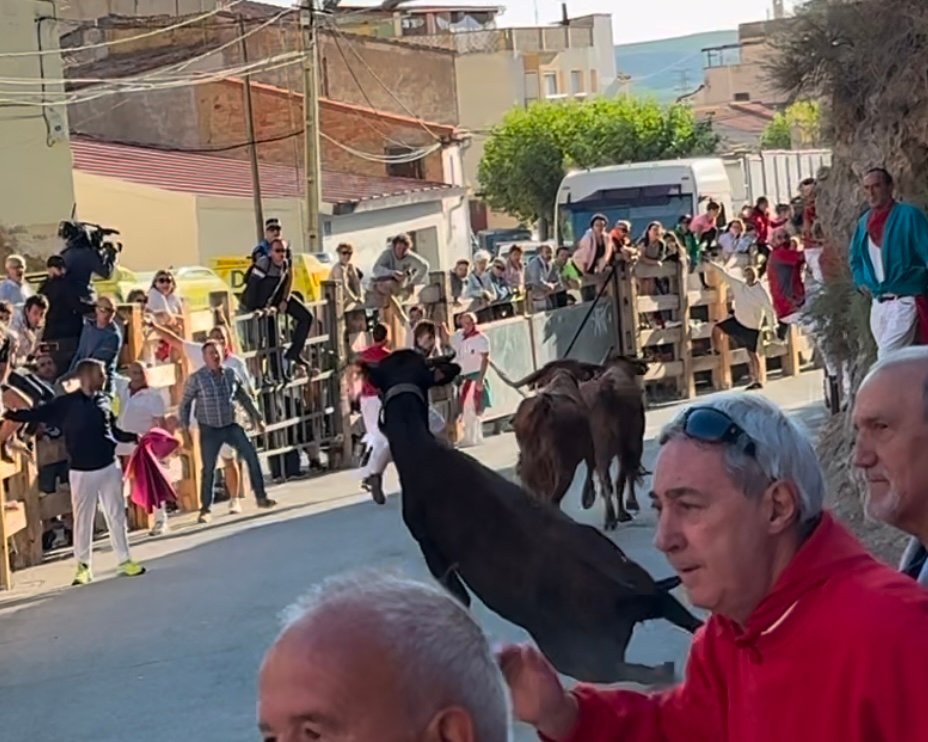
250,132
313,165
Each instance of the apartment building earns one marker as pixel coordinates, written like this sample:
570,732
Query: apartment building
498,69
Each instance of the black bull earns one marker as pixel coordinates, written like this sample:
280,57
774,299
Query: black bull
568,585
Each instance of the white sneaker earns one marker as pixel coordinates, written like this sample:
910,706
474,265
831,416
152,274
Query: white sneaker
161,528
235,506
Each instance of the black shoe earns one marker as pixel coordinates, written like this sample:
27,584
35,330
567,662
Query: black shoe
754,386
266,503
374,483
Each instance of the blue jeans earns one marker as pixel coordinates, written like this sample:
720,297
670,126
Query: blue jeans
211,440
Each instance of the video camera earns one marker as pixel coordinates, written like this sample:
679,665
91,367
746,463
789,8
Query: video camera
90,236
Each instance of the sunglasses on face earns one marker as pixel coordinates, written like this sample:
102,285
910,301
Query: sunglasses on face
279,252
165,279
708,425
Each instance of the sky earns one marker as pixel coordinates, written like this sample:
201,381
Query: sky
633,20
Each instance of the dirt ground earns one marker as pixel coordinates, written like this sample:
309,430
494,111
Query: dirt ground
834,446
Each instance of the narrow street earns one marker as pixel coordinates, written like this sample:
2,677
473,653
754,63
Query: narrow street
173,655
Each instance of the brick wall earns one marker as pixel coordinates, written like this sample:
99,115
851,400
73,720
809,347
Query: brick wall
222,123
411,78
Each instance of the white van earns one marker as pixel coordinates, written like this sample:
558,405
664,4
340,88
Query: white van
640,193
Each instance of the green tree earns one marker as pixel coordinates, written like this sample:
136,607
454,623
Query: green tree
527,155
802,121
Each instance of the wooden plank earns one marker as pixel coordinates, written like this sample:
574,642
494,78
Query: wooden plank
702,331
8,469
55,504
718,311
6,532
687,386
665,270
792,363
737,357
29,552
663,303
659,371
705,363
48,451
163,376
702,297
661,336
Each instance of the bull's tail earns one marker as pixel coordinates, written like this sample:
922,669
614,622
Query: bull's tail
667,584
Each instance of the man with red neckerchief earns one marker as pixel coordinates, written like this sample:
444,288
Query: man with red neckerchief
889,261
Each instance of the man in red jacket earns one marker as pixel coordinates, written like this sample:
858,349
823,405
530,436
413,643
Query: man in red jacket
377,449
810,639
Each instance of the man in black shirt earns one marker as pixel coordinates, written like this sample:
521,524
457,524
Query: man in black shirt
66,311
90,435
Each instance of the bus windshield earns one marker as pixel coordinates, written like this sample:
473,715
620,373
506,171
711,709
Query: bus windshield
640,206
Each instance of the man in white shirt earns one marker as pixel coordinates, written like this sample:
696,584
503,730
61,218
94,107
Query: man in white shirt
752,309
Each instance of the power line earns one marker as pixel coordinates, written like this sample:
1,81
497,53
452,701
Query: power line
384,85
126,40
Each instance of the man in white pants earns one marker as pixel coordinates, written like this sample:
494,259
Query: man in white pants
377,449
889,261
472,349
90,434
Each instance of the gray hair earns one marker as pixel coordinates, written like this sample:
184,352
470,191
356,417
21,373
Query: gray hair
446,658
481,255
783,450
917,355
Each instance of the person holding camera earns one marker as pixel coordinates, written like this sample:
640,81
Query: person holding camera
66,311
87,253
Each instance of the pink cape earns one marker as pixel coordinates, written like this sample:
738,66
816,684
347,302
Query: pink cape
150,485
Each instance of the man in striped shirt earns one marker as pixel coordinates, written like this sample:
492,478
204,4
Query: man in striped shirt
215,388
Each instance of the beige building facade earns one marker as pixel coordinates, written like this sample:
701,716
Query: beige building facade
500,69
36,191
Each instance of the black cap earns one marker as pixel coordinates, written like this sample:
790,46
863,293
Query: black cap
273,222
55,261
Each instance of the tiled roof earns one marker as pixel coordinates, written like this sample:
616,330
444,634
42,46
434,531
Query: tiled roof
219,176
136,63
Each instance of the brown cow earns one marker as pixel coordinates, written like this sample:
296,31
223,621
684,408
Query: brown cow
554,436
616,419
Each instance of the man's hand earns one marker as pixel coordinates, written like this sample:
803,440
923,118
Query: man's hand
399,275
261,426
538,698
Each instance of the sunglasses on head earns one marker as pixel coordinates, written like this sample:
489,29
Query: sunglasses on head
709,425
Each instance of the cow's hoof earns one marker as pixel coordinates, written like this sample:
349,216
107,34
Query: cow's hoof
624,517
632,505
588,499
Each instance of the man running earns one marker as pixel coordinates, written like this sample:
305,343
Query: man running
377,449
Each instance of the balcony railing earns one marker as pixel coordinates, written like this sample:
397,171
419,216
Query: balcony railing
537,39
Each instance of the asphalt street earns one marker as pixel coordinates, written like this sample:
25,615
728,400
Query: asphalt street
173,655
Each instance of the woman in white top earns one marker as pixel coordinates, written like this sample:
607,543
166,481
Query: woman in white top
193,353
472,353
164,302
141,408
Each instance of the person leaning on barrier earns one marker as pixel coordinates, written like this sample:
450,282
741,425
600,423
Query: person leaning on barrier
375,658
541,279
810,639
345,273
399,268
215,388
269,286
891,420
90,435
101,340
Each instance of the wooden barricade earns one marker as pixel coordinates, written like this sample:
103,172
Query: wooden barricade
19,535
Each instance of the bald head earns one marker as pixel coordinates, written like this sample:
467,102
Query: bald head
891,422
381,659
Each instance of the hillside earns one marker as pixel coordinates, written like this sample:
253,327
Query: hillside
659,68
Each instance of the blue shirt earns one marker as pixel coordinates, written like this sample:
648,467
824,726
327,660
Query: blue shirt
100,344
215,394
88,424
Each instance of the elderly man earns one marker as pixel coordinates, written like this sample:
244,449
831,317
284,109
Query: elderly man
810,639
889,260
381,659
541,279
891,419
398,267
14,288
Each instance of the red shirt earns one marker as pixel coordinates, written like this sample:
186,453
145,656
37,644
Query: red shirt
835,653
784,272
372,354
761,221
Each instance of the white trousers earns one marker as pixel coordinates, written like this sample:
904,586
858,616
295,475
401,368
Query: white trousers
473,424
375,441
893,324
103,486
